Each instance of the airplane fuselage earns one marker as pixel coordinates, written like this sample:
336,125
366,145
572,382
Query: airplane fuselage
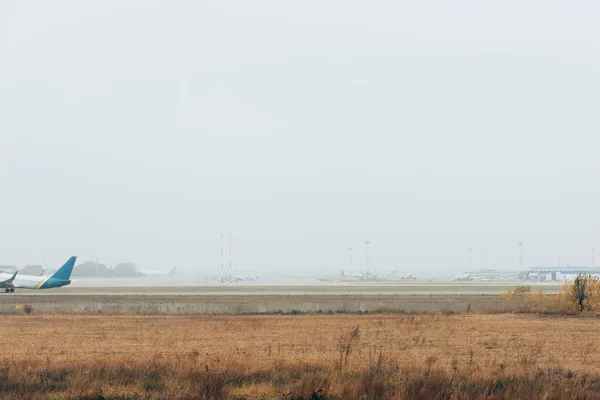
61,277
36,282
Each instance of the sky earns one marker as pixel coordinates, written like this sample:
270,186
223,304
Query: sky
142,131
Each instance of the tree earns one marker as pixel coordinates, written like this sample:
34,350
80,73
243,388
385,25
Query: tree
584,292
90,268
125,269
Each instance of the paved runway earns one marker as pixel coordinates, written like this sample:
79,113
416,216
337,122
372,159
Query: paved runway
186,286
242,293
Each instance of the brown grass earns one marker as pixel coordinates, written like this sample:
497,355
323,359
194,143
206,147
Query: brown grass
284,357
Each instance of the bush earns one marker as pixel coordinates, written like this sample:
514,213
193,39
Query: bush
519,291
584,293
523,289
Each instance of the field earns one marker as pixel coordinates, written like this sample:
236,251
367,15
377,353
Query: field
293,356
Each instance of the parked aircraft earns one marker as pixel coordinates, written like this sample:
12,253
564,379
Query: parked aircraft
62,277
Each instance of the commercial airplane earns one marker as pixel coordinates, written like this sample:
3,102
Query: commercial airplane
62,277
8,283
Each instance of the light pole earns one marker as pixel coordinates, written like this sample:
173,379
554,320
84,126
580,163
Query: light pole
593,257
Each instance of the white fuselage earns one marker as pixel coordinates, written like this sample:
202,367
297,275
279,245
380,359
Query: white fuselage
26,281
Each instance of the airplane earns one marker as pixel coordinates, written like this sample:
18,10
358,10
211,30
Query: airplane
8,283
62,277
152,272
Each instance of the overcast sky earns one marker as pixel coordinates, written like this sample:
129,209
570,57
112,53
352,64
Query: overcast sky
143,130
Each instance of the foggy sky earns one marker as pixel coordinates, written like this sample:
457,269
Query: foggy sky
143,130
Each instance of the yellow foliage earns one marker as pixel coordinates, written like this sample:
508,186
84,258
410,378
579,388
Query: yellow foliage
519,291
538,298
508,295
522,290
581,294
584,293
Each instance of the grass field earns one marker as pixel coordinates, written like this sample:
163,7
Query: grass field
292,357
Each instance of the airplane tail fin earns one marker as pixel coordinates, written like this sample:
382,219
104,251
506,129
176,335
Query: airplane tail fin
12,278
64,272
42,273
172,271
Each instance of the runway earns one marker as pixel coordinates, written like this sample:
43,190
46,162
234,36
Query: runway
153,292
186,286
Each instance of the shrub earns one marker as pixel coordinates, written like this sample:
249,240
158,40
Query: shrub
584,293
519,291
523,289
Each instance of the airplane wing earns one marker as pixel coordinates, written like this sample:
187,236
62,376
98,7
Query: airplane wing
9,282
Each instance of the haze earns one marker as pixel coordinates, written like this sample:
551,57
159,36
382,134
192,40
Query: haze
142,130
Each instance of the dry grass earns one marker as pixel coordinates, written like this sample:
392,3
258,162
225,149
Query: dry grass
284,357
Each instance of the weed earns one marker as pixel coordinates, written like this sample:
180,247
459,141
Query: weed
345,343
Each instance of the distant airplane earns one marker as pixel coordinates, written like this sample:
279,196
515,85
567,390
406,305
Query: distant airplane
463,277
153,272
62,277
